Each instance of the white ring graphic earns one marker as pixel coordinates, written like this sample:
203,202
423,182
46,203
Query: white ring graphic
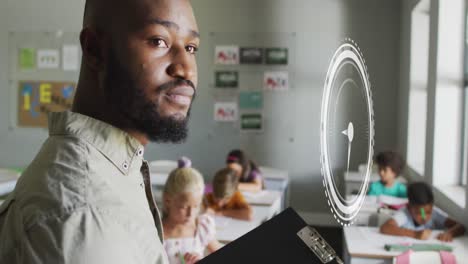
345,210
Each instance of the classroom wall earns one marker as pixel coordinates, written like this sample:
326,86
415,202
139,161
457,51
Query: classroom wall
292,140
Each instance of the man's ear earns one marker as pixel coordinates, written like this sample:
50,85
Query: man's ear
92,46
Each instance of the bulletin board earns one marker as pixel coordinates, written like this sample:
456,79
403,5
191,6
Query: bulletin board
256,71
259,73
43,71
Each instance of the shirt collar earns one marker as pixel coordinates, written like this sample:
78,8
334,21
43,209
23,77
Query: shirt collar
115,144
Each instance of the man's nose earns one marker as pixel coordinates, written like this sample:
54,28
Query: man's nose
183,65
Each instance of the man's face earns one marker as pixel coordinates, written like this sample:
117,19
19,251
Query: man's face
151,71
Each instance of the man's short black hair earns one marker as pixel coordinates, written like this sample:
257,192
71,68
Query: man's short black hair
420,193
390,159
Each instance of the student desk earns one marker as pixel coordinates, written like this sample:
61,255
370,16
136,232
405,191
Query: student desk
229,229
8,179
277,180
371,209
158,178
353,181
366,245
266,198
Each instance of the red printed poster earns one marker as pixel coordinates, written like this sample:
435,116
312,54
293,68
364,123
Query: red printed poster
225,112
227,55
276,81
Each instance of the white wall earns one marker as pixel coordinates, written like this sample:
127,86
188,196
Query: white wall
320,26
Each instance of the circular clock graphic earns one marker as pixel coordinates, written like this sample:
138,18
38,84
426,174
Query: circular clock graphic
346,131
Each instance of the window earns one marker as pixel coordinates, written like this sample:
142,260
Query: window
449,94
437,133
416,136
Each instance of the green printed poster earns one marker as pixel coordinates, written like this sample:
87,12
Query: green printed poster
226,79
278,56
27,58
251,122
250,100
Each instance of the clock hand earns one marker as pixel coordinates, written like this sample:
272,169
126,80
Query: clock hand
350,134
349,155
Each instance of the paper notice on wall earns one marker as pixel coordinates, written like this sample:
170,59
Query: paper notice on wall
48,59
227,55
276,81
250,100
70,57
252,122
27,58
225,111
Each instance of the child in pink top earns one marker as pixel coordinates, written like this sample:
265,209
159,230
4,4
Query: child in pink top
187,234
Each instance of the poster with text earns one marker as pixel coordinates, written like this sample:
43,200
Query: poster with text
48,59
251,55
228,55
27,59
276,56
251,122
250,100
37,99
225,111
70,57
276,81
226,79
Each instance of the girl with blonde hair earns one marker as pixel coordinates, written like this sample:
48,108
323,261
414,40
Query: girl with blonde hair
187,233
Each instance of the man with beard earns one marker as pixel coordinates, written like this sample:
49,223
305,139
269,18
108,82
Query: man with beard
86,197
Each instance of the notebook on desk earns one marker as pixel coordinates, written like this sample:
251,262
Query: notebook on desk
275,241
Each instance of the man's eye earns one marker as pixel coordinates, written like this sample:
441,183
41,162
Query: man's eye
192,49
157,42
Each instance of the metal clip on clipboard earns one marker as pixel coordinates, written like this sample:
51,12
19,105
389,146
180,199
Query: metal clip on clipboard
318,245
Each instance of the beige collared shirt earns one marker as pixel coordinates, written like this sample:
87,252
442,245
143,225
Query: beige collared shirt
85,198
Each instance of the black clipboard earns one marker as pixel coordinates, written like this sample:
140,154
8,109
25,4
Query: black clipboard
286,238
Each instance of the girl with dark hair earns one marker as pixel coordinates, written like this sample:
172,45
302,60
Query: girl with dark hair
250,178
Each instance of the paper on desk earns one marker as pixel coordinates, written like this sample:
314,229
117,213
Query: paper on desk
373,236
221,222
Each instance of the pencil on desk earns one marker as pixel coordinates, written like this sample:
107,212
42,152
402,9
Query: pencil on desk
182,260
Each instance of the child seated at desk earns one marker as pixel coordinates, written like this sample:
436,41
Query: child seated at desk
247,171
226,199
186,233
390,165
420,217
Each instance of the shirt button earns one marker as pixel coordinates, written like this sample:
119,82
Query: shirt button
140,152
125,165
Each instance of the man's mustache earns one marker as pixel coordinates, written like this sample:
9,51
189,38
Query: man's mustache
176,83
